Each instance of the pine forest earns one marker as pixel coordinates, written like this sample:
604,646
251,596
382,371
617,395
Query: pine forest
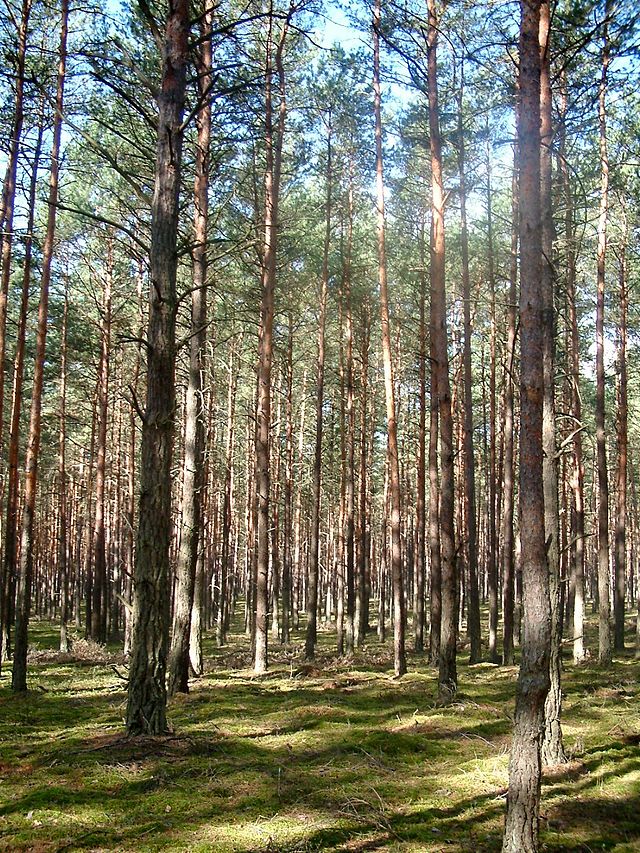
320,425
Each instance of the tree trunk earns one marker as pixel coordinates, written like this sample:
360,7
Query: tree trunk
146,707
23,590
622,441
420,559
604,607
508,537
194,427
447,677
523,797
11,524
473,601
552,749
399,657
273,152
314,545
63,539
9,189
98,627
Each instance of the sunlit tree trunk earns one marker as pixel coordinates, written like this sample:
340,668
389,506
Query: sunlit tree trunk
399,657
63,536
604,606
447,678
23,589
194,426
147,699
622,441
508,533
314,545
552,749
11,522
420,559
9,188
523,797
473,601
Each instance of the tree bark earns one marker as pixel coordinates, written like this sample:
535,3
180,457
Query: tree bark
552,748
523,797
98,627
23,590
622,441
11,523
399,657
194,426
273,151
316,487
447,677
147,699
508,537
473,601
604,606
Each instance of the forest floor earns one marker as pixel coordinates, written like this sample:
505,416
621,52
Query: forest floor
336,756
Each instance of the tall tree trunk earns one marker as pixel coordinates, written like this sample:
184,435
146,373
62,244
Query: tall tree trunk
492,556
63,537
604,606
194,426
23,591
316,487
226,562
622,440
98,627
552,749
11,523
362,601
577,474
420,560
447,677
287,549
9,189
147,700
523,797
399,657
508,537
273,152
350,426
473,601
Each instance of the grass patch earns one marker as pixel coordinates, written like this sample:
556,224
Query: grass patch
335,756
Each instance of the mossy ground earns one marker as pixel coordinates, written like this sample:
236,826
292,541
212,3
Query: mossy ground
335,756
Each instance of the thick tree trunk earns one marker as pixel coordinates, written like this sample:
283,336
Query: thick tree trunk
194,426
147,700
23,590
399,657
523,797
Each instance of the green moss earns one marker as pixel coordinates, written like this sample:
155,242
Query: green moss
340,756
